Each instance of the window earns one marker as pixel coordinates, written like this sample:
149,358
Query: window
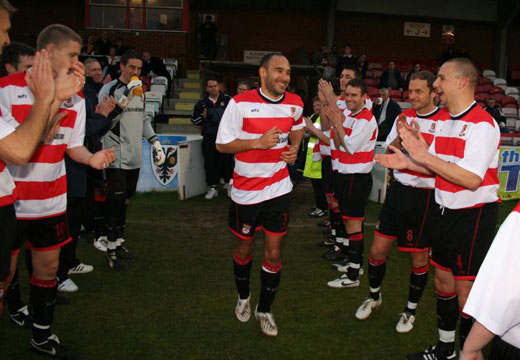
158,15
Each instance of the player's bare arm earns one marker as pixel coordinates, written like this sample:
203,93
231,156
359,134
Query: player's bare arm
18,147
325,124
327,91
477,339
100,160
315,132
267,141
336,119
417,147
290,155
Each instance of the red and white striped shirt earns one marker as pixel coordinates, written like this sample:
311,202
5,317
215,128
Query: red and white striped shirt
360,139
260,175
427,123
7,187
470,140
41,183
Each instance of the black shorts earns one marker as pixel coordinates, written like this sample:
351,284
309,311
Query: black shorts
326,174
122,181
461,238
7,238
272,216
405,217
352,191
44,234
501,350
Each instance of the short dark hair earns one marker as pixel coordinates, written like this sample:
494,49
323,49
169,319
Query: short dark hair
243,82
12,52
360,84
354,69
424,75
316,98
264,62
130,54
212,78
56,34
6,5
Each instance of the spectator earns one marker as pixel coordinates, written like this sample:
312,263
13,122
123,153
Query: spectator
319,54
416,68
362,65
332,56
346,59
120,47
492,108
391,77
207,114
113,59
242,86
153,67
328,71
208,38
448,54
16,57
102,45
385,112
96,124
88,46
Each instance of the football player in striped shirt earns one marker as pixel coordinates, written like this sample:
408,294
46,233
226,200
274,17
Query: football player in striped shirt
464,158
18,144
41,184
263,128
404,216
352,152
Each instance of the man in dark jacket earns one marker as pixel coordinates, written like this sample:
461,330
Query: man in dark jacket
154,66
207,114
391,77
96,125
385,112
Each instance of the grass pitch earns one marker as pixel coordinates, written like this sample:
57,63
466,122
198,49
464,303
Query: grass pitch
177,300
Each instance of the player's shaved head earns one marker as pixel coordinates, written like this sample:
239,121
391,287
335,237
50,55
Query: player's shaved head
467,69
264,62
58,35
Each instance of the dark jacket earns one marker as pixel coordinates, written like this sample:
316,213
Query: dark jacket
209,126
157,66
398,78
95,126
392,111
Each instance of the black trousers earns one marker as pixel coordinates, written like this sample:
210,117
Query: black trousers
216,164
122,185
319,194
76,214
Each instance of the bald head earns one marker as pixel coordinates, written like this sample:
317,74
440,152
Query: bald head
465,68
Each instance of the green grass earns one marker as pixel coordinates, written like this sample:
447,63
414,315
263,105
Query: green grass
177,300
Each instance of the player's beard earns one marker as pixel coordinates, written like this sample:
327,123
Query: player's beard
271,86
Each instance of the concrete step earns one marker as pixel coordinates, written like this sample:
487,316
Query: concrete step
177,120
185,80
177,129
189,95
180,113
184,100
194,76
184,106
191,85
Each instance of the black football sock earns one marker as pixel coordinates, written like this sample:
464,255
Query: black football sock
43,299
270,279
447,316
376,273
13,297
355,254
418,280
242,270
